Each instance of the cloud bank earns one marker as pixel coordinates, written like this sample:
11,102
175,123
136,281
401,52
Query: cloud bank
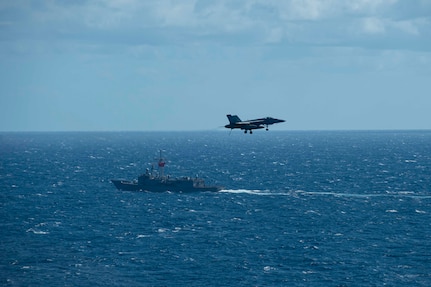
364,23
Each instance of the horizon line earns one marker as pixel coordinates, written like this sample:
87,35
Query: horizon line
215,131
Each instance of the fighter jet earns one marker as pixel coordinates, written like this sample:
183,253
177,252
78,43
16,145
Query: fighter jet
250,125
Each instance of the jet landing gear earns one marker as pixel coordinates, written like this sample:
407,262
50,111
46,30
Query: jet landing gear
251,132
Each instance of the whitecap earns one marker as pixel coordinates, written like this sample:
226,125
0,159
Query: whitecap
35,231
142,236
268,268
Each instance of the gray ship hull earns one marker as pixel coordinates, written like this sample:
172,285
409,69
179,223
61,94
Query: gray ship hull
156,184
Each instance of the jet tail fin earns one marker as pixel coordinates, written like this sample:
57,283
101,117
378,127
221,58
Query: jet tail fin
233,119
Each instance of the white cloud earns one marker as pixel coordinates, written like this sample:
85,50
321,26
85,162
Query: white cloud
303,9
175,13
275,35
409,27
368,6
373,25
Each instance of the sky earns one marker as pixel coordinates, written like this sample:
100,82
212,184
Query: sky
165,65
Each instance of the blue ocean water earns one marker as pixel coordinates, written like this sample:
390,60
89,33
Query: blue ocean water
298,209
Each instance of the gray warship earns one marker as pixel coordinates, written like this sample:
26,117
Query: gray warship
159,182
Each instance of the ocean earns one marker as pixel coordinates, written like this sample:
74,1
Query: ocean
312,208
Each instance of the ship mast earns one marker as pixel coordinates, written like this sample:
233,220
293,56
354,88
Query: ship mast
161,165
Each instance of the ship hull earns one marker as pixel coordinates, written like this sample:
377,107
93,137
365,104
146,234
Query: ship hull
171,186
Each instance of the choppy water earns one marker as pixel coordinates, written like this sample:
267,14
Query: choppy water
299,209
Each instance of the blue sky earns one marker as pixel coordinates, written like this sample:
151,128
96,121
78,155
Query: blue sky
120,65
